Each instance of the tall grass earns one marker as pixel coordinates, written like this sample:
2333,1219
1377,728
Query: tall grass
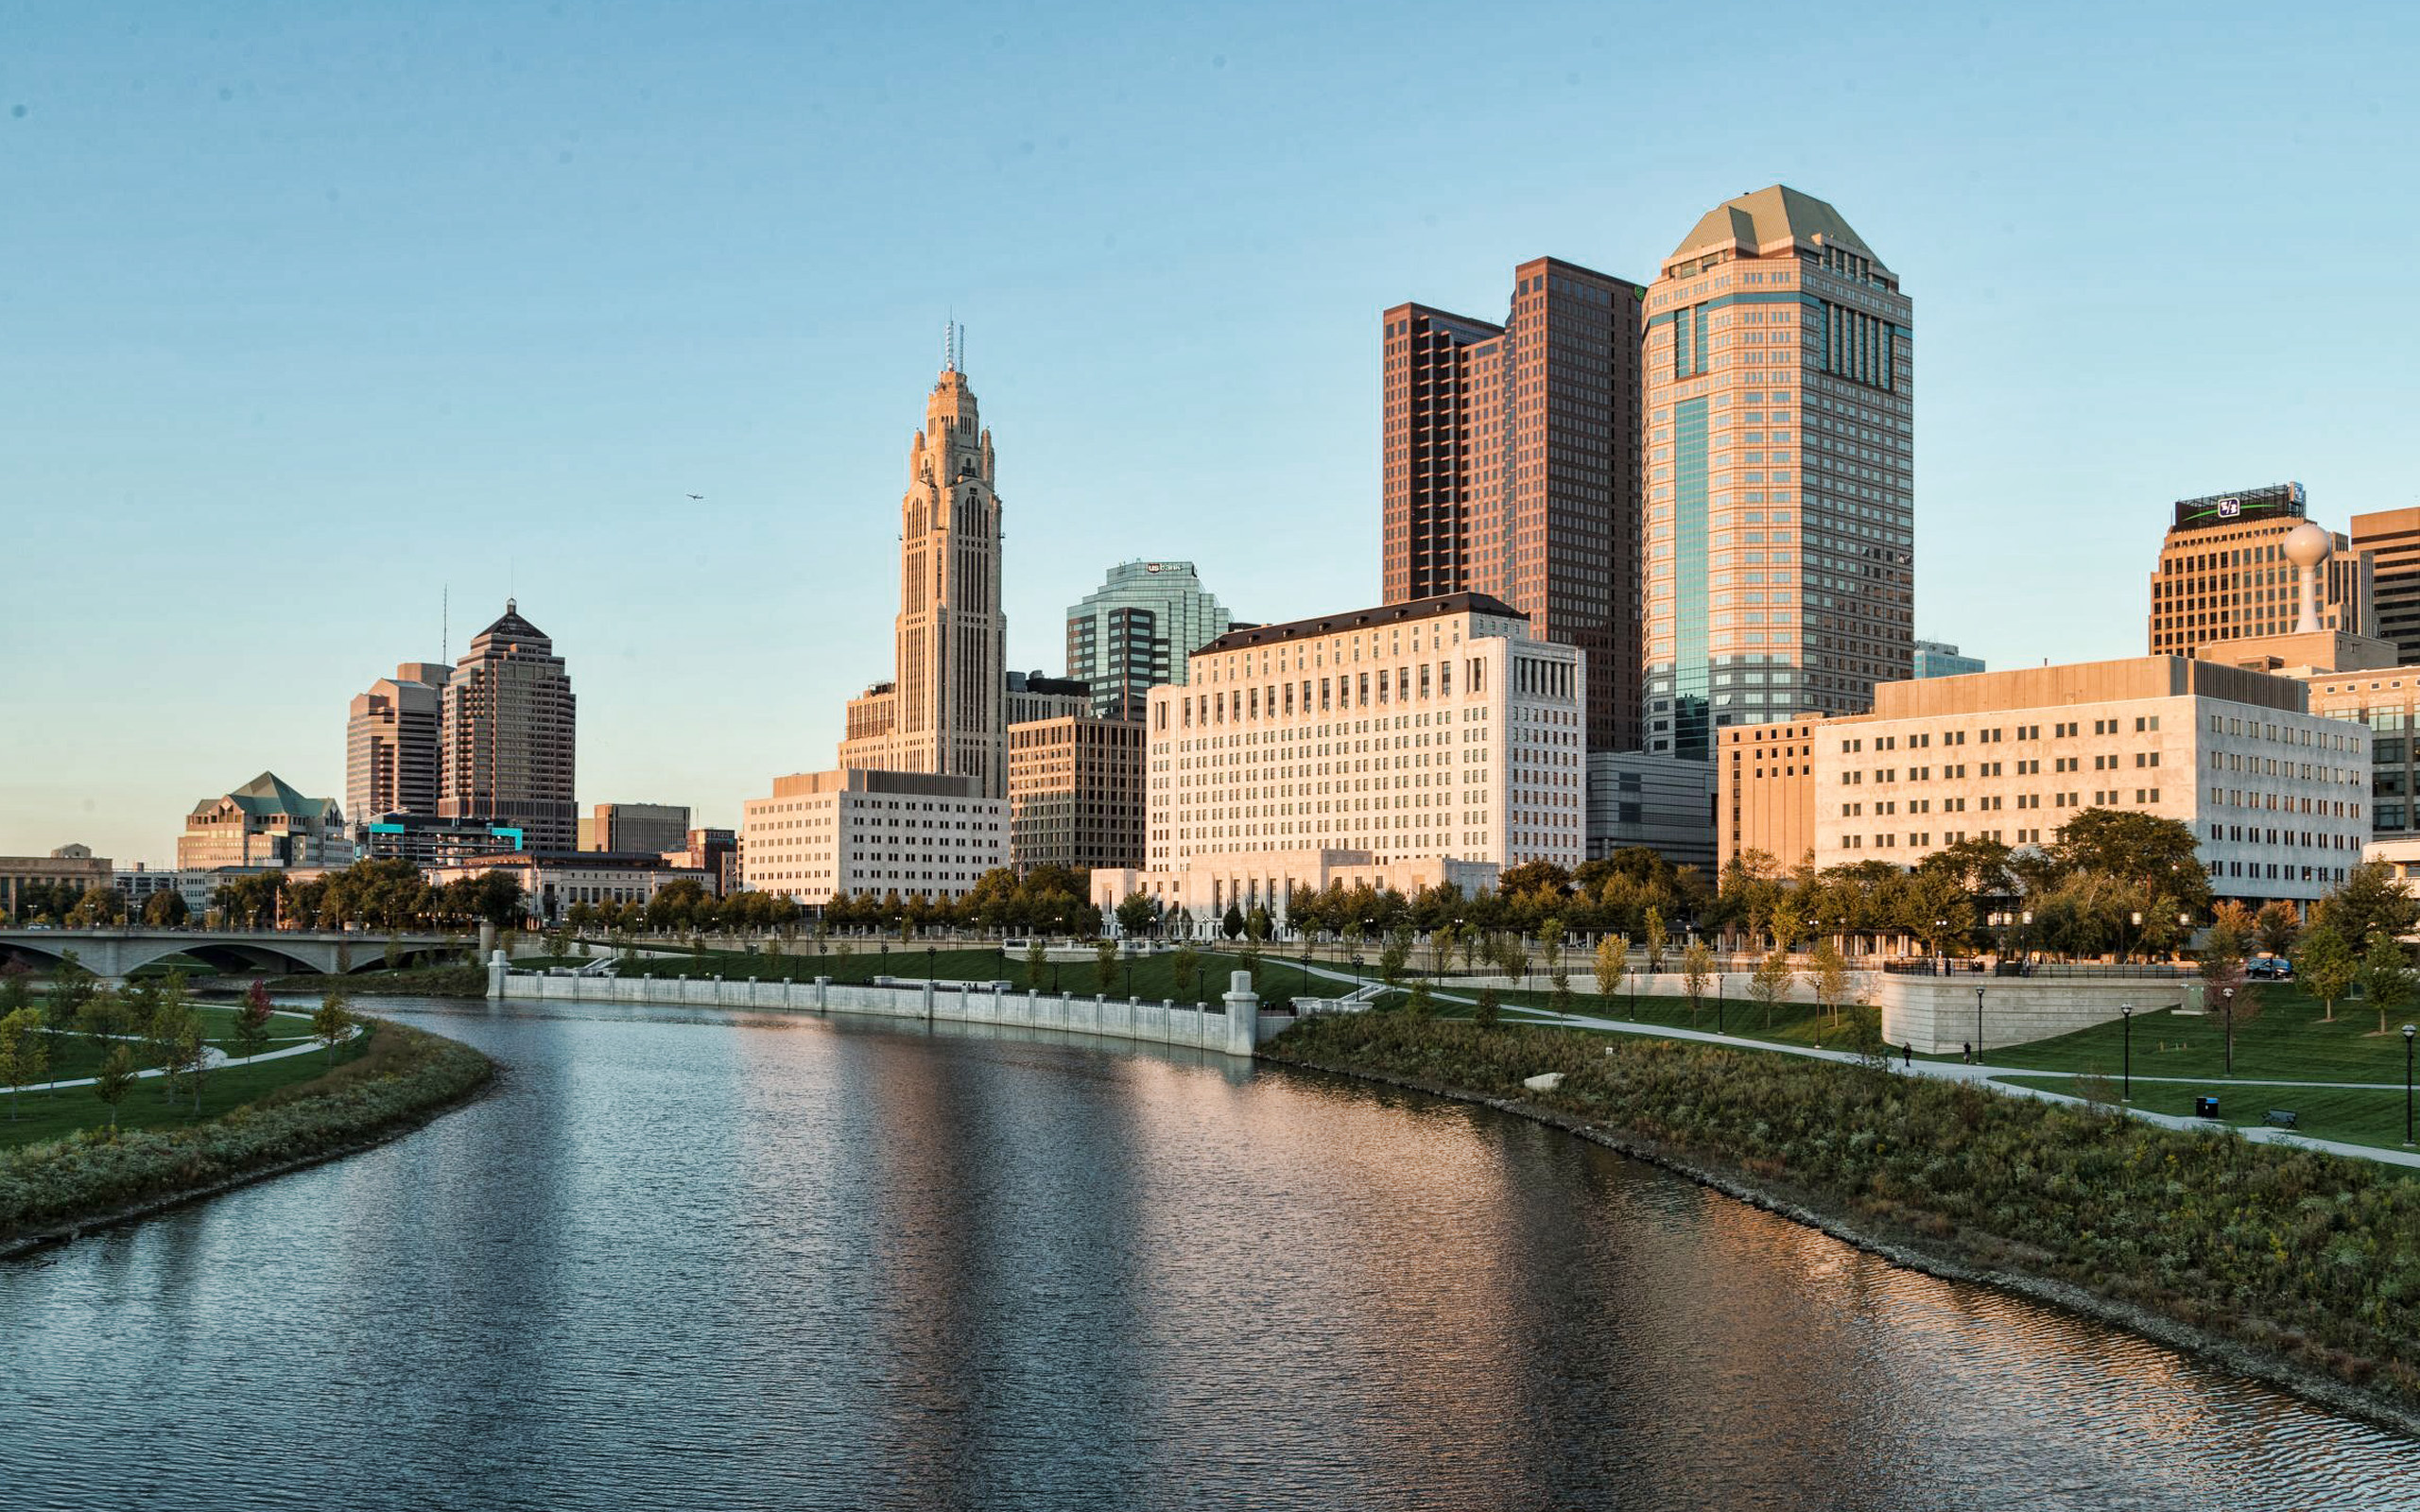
402,1074
2313,1256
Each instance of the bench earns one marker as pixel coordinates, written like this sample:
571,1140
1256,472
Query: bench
2280,1118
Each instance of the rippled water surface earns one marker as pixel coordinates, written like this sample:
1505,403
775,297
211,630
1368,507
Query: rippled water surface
682,1262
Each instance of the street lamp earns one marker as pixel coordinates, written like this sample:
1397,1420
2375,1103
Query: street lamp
2129,955
1978,1026
2227,994
932,962
1356,971
2126,1016
2407,1086
1940,943
886,958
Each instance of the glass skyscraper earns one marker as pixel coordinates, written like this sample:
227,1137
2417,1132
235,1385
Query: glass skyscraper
1133,632
1780,499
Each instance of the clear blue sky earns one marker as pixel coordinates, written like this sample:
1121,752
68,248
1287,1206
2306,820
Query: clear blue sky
308,311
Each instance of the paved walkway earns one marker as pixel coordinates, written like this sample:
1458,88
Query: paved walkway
1988,1075
212,1059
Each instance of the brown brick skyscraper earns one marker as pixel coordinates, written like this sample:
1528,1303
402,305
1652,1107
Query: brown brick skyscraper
1511,465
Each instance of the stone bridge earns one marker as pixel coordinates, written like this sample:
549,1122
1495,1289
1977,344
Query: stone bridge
110,953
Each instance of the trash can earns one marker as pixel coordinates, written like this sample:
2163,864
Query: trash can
2205,1108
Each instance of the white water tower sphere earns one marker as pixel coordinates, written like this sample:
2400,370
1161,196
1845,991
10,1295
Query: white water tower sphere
2308,545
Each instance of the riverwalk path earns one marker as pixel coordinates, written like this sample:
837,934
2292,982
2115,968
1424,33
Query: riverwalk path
1946,1071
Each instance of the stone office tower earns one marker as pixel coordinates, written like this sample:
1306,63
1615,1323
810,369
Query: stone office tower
943,710
508,736
1510,466
391,746
1780,509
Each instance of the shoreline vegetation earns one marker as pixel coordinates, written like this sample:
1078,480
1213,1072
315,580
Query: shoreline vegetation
55,1190
2294,1268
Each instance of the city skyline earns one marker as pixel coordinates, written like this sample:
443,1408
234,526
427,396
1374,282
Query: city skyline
261,334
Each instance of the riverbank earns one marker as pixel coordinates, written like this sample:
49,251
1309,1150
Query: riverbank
2295,1268
410,981
56,1190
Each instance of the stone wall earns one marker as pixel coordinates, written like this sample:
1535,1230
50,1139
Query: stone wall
1236,1029
1936,1014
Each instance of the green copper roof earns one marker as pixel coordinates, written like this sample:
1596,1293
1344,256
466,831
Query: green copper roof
270,794
1768,216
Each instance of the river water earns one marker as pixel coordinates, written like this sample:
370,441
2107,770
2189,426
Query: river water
697,1260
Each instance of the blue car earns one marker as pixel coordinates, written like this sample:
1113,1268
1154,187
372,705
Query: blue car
2269,968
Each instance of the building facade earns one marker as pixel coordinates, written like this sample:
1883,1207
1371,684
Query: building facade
508,738
72,868
552,883
1780,494
1436,729
1030,696
1664,803
426,841
943,711
1193,897
1939,659
2278,798
1509,466
1075,793
2390,539
1765,790
2223,573
715,852
634,827
1136,630
393,754
857,833
264,823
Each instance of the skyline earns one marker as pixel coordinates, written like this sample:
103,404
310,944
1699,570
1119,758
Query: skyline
358,289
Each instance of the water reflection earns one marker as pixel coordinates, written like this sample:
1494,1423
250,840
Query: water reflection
684,1258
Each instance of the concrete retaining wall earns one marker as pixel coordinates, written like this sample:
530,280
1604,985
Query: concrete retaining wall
1237,1030
1936,1014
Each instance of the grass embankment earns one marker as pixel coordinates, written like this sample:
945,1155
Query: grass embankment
1153,976
394,1076
2288,1040
71,1054
406,981
2303,1256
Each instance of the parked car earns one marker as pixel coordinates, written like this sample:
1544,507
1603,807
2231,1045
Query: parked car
2269,968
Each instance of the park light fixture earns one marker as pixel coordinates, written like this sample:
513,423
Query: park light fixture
2126,1015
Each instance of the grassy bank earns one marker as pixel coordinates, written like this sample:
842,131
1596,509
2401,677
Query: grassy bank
397,1076
2355,1115
408,982
2309,1258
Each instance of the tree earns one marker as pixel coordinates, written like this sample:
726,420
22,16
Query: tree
1185,962
24,1055
2157,853
1258,926
1613,964
2386,976
332,1020
1421,1002
103,1020
165,909
1395,956
2222,978
1770,982
100,906
1652,936
1697,974
1232,924
251,1020
2326,968
1489,1008
1105,964
173,1037
1135,913
2369,901
115,1080
1829,973
71,988
2275,927
1037,966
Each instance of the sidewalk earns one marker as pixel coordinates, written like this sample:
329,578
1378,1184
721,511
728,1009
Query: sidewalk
1987,1076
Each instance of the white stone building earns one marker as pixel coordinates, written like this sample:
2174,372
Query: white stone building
850,832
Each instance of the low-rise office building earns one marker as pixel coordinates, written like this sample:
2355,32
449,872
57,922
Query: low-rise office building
264,823
1765,790
713,851
634,827
1075,793
553,881
852,833
1664,803
69,869
425,840
2277,797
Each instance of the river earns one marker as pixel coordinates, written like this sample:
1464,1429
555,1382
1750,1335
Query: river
701,1259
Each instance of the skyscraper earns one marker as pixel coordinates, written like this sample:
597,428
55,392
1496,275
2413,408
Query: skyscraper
1511,467
2223,573
2390,539
391,757
1780,472
943,711
508,735
1136,630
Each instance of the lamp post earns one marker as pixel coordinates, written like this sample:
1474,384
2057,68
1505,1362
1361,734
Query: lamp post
2126,1087
1356,971
2023,935
1718,1003
932,962
2227,995
1307,966
1978,1026
2407,1086
886,958
1940,943
2128,955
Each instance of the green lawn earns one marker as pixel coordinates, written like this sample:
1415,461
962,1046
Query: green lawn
1791,1024
2355,1115
47,1115
74,1054
2285,1041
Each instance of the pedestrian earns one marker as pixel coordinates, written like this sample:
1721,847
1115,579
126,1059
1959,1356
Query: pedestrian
1966,1052
1911,1048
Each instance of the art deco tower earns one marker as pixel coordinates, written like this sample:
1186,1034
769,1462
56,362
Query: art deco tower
945,708
507,741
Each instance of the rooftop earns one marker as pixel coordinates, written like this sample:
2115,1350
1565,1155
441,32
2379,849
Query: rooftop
1780,214
1366,619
